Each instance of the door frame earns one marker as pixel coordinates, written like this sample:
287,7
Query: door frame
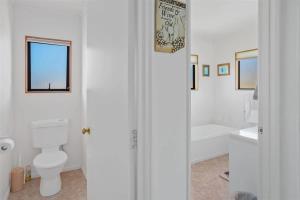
269,151
269,114
143,99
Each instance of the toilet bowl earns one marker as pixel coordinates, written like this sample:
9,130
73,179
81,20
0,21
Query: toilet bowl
49,166
50,136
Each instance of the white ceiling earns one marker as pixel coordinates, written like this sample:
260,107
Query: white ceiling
214,18
210,18
70,5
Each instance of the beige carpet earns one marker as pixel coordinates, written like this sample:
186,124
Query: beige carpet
206,181
206,184
73,188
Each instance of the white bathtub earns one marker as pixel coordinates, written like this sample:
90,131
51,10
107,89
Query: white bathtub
209,141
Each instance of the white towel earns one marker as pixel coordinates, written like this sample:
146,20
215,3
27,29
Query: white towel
251,110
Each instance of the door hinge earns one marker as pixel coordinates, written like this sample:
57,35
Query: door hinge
260,130
133,139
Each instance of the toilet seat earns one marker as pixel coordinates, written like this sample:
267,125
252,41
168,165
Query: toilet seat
50,159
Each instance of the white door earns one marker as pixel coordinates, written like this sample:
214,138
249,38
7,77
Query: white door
108,102
108,154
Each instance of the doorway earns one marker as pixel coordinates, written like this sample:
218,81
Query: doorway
224,103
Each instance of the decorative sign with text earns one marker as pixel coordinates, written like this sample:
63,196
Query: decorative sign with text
170,26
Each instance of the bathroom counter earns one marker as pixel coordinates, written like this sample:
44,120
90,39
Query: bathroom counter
248,134
243,160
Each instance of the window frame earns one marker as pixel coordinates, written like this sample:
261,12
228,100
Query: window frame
195,78
49,41
237,66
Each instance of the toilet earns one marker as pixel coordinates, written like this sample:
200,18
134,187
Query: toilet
49,136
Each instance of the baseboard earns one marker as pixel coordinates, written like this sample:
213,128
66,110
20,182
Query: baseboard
84,171
34,173
6,194
208,158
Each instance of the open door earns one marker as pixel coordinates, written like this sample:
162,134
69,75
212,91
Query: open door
108,160
108,101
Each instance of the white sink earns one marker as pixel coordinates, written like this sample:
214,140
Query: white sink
251,133
248,134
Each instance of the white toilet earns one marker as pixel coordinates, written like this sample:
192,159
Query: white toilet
49,136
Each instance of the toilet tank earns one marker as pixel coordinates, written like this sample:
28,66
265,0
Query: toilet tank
49,133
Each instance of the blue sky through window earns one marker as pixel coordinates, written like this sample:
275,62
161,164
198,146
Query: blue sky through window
248,73
48,65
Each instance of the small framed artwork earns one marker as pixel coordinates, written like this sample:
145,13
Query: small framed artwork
224,69
205,70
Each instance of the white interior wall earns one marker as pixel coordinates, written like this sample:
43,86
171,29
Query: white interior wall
289,101
203,100
169,83
217,100
5,92
169,126
230,103
43,21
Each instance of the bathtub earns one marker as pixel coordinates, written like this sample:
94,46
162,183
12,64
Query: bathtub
209,141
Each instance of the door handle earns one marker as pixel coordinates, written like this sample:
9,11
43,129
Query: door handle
86,131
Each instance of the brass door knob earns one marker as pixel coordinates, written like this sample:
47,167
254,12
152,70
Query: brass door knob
86,131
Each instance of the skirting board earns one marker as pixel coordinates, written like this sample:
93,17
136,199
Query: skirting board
84,171
6,194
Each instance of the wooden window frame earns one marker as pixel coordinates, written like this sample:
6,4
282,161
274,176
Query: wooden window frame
49,41
237,66
195,77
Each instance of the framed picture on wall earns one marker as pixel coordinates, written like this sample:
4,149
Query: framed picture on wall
170,23
205,70
224,69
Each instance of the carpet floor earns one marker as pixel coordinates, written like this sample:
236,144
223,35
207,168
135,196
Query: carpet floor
73,188
206,181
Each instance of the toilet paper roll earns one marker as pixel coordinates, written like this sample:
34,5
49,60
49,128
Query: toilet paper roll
6,145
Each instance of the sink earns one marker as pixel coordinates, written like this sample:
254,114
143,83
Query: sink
251,133
248,134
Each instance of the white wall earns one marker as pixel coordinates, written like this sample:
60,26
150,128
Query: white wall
289,101
169,126
59,24
169,120
230,103
203,100
5,92
217,100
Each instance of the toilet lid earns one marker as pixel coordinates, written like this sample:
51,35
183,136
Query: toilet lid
50,159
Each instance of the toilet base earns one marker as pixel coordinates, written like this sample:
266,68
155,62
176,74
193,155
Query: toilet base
50,186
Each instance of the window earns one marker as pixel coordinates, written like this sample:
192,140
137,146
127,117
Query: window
47,65
194,72
246,69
